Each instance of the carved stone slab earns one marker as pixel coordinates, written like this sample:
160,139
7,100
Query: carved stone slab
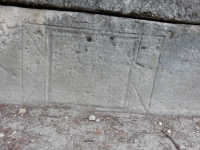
89,67
96,60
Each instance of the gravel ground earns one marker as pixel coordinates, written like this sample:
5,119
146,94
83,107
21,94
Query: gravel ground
62,127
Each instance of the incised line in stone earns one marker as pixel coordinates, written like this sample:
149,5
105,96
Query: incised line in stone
139,46
127,86
34,91
34,43
82,28
50,64
7,71
45,77
154,81
22,61
129,76
73,19
140,98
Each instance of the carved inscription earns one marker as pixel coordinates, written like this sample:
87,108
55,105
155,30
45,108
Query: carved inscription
142,74
10,64
89,67
6,37
33,63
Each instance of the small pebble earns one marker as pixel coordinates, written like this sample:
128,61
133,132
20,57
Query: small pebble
32,141
160,123
1,135
98,131
15,132
169,131
22,111
98,120
136,141
92,118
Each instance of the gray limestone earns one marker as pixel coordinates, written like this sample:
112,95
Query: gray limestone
169,10
77,58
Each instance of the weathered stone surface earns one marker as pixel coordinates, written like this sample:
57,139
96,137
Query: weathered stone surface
68,57
169,10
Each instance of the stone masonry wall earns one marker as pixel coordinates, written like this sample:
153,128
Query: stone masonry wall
135,65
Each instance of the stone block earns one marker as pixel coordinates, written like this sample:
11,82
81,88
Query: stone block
185,11
102,61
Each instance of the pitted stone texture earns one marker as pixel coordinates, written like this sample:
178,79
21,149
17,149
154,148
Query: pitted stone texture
169,10
76,58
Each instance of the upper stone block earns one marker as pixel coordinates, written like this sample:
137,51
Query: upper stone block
186,11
